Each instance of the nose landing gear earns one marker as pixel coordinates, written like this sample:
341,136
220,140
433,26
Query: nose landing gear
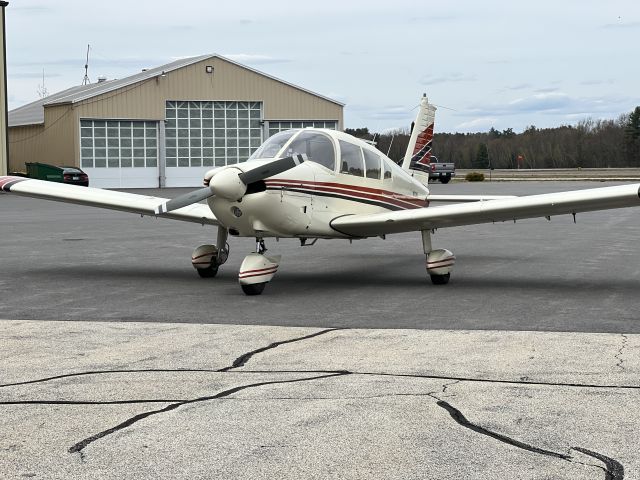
257,269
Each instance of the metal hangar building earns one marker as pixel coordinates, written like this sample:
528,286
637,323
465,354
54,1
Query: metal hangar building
166,126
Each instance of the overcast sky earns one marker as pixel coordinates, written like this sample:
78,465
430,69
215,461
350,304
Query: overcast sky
486,63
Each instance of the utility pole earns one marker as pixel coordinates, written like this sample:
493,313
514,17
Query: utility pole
4,112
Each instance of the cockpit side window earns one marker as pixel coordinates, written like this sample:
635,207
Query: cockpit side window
273,145
318,147
387,170
351,159
372,164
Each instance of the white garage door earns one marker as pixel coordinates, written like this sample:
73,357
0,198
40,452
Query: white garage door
203,135
119,153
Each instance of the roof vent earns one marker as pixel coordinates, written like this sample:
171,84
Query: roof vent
145,69
102,79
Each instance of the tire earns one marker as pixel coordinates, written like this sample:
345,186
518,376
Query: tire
440,279
208,272
445,179
253,289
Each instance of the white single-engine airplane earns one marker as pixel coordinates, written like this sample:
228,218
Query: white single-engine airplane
323,184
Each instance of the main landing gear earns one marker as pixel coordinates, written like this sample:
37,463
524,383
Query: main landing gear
206,259
439,262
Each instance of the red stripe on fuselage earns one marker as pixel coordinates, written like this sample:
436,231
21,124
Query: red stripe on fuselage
377,194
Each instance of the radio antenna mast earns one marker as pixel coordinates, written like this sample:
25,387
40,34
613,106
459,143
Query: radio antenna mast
86,80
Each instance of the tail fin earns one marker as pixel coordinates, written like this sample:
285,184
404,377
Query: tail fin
418,154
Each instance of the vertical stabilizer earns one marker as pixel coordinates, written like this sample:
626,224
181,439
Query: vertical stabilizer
418,154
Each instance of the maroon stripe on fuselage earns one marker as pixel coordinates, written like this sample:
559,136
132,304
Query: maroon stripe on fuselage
365,193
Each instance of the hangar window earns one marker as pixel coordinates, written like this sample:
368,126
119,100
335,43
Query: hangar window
276,126
351,159
316,146
107,144
205,125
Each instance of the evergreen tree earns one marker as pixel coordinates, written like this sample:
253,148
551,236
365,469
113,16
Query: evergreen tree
632,139
481,159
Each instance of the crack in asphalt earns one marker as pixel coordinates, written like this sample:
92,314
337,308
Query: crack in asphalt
382,374
237,363
87,402
613,469
244,358
618,356
78,447
447,385
104,372
462,420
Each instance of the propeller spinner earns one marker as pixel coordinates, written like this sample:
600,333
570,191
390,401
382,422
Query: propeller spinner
231,183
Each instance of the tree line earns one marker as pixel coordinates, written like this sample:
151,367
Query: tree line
588,144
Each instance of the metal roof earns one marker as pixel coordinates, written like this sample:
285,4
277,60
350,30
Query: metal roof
33,113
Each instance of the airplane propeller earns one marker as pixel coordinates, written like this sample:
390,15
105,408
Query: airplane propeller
231,183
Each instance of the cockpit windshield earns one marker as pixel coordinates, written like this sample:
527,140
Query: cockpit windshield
317,146
273,145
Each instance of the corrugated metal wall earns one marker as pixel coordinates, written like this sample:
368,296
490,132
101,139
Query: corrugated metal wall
58,142
52,142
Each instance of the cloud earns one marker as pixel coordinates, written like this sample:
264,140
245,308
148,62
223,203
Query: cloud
447,78
622,25
540,102
554,104
251,59
476,125
520,86
609,81
546,90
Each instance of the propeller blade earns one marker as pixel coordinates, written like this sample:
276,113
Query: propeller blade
272,168
184,200
223,184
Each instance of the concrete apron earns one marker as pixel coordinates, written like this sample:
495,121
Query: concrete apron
147,400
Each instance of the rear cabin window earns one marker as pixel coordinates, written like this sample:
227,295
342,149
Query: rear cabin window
316,146
351,159
372,164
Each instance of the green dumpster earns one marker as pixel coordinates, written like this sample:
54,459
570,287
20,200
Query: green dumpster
44,171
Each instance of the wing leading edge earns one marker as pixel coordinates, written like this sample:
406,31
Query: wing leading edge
530,206
96,197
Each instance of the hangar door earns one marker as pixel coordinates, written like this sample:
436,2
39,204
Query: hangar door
119,153
202,135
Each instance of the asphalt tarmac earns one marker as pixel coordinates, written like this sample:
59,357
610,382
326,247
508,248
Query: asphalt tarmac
67,262
116,363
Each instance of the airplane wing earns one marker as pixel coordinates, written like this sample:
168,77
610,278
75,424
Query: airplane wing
96,197
500,210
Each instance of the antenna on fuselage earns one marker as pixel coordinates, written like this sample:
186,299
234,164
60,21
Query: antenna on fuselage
390,144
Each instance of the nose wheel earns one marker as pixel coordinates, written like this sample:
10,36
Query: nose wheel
257,269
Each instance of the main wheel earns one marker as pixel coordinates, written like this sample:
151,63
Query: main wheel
253,289
208,272
445,179
440,279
